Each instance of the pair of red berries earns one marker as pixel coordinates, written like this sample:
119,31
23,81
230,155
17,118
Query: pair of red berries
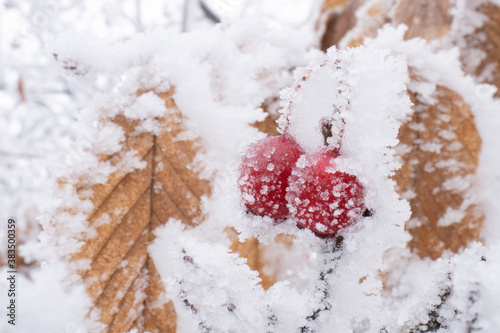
312,191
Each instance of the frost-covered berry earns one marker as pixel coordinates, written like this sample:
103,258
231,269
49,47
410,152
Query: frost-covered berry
264,172
321,198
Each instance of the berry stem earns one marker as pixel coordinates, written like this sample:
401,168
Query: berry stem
330,252
327,126
326,130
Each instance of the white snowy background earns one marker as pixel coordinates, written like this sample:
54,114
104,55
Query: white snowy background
61,59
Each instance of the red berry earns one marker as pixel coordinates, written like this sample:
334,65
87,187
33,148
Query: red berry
264,172
322,199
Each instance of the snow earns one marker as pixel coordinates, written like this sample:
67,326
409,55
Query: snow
451,216
187,262
466,20
466,278
41,300
222,75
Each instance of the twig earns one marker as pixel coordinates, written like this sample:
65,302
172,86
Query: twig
138,14
21,154
330,252
185,14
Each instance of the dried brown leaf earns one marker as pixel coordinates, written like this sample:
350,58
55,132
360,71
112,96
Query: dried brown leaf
428,19
21,90
122,280
439,148
491,43
251,251
329,4
269,125
338,23
254,252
